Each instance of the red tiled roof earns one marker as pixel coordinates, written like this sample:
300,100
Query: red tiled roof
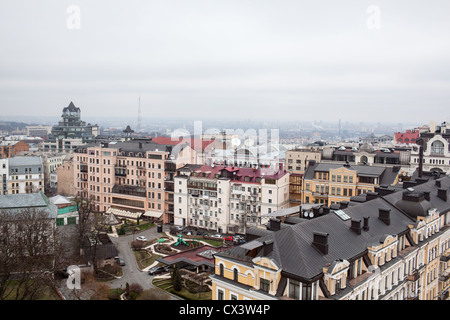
174,141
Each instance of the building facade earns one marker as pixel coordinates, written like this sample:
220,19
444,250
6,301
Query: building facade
436,149
328,183
393,247
131,177
228,199
22,175
9,149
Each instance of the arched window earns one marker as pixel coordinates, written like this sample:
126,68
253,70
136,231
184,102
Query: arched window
235,274
437,147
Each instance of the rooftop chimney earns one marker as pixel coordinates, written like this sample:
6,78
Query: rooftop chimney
344,204
426,195
385,215
409,184
268,247
371,195
366,224
320,241
356,226
442,193
438,183
274,224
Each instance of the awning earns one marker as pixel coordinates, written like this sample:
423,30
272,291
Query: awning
124,213
153,214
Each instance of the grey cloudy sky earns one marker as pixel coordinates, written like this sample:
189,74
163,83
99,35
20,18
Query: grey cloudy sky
199,59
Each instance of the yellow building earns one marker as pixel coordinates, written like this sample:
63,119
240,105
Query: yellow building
326,183
391,248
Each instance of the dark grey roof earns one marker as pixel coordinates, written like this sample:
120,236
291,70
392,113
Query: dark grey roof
293,249
71,107
387,175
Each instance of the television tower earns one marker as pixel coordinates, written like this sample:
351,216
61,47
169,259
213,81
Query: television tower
139,119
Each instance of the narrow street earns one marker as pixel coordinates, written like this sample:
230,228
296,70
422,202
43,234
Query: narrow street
131,272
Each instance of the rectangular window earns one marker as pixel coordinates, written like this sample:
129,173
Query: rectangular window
294,289
264,285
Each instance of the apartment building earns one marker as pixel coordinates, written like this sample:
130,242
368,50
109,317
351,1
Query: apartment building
329,183
228,199
134,178
392,247
22,175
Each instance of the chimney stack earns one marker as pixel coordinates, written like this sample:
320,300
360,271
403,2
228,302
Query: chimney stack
385,215
320,241
366,224
371,195
356,226
426,195
442,194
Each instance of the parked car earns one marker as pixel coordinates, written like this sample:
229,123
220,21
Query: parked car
229,238
119,261
201,233
179,228
238,237
187,232
217,235
141,238
157,270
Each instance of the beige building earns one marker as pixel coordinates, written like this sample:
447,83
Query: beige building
297,161
329,183
65,178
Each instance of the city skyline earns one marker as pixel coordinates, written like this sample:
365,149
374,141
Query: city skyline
198,60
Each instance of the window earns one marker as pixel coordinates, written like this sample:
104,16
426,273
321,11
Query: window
294,289
437,147
264,285
306,291
235,275
220,295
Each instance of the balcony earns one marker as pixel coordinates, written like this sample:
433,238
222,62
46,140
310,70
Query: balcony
445,257
444,277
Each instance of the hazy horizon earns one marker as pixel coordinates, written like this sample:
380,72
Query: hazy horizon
262,60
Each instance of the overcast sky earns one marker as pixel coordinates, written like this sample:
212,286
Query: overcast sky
252,59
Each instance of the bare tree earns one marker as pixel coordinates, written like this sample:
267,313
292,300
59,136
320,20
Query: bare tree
30,252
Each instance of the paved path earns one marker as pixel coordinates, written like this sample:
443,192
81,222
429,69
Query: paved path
131,272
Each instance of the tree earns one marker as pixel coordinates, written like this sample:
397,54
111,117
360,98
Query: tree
176,279
30,252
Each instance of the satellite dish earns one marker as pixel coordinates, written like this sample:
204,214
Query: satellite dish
311,215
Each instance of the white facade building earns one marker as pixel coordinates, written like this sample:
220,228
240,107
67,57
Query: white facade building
228,199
